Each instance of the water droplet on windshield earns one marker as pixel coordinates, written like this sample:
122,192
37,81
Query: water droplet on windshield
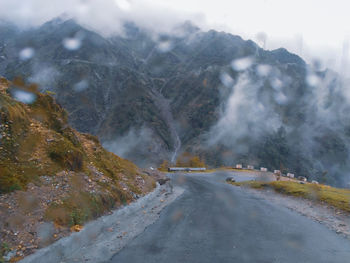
313,80
165,46
263,70
242,64
72,43
81,85
45,233
124,5
280,98
226,79
261,37
26,53
23,96
261,107
83,8
276,84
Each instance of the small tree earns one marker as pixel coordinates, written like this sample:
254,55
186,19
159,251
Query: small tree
188,160
196,162
183,160
164,166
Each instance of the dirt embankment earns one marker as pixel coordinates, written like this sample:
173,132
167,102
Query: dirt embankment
332,218
102,238
54,179
324,204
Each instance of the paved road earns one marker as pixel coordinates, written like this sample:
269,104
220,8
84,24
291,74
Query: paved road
215,222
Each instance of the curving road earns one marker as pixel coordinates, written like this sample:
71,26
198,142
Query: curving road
215,222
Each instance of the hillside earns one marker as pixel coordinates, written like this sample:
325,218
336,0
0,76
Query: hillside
52,177
149,98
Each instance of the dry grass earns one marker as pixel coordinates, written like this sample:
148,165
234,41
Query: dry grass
237,170
212,170
335,197
37,141
68,177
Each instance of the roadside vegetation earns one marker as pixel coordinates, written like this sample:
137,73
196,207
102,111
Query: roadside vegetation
36,140
184,160
237,169
46,166
188,160
4,248
335,197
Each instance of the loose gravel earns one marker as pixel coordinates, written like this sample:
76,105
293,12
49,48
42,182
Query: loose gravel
332,218
102,238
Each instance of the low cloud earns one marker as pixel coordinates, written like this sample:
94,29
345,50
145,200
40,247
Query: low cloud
244,115
138,145
104,16
313,114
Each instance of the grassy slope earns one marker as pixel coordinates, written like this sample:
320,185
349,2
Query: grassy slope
338,198
36,141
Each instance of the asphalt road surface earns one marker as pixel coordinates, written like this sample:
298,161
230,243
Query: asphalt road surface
216,222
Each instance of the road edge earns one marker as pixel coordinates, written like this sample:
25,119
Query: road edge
102,238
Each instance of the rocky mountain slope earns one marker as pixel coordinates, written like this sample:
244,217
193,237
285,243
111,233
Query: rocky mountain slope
52,177
149,97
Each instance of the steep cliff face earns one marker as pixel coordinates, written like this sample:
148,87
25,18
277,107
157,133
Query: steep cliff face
35,135
150,97
50,173
169,87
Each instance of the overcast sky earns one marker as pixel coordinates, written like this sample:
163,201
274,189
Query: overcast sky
311,28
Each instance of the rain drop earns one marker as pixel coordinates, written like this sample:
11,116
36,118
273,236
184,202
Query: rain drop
72,43
313,80
276,84
280,98
242,64
81,85
226,79
23,96
123,4
165,46
26,53
263,70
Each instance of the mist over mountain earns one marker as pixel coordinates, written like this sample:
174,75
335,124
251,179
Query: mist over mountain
150,97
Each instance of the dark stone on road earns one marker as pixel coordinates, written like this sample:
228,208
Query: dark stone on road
230,179
163,180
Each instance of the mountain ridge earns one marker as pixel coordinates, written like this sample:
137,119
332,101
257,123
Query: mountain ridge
162,91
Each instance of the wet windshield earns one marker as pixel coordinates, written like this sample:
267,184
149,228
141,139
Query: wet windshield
174,131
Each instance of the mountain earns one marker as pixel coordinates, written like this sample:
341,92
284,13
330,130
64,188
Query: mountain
52,174
151,97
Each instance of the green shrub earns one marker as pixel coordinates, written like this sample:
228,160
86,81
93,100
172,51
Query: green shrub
4,249
70,135
79,208
78,217
92,138
335,197
65,154
8,181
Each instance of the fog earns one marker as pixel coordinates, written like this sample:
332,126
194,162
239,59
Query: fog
243,116
315,119
261,100
319,31
139,145
104,16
